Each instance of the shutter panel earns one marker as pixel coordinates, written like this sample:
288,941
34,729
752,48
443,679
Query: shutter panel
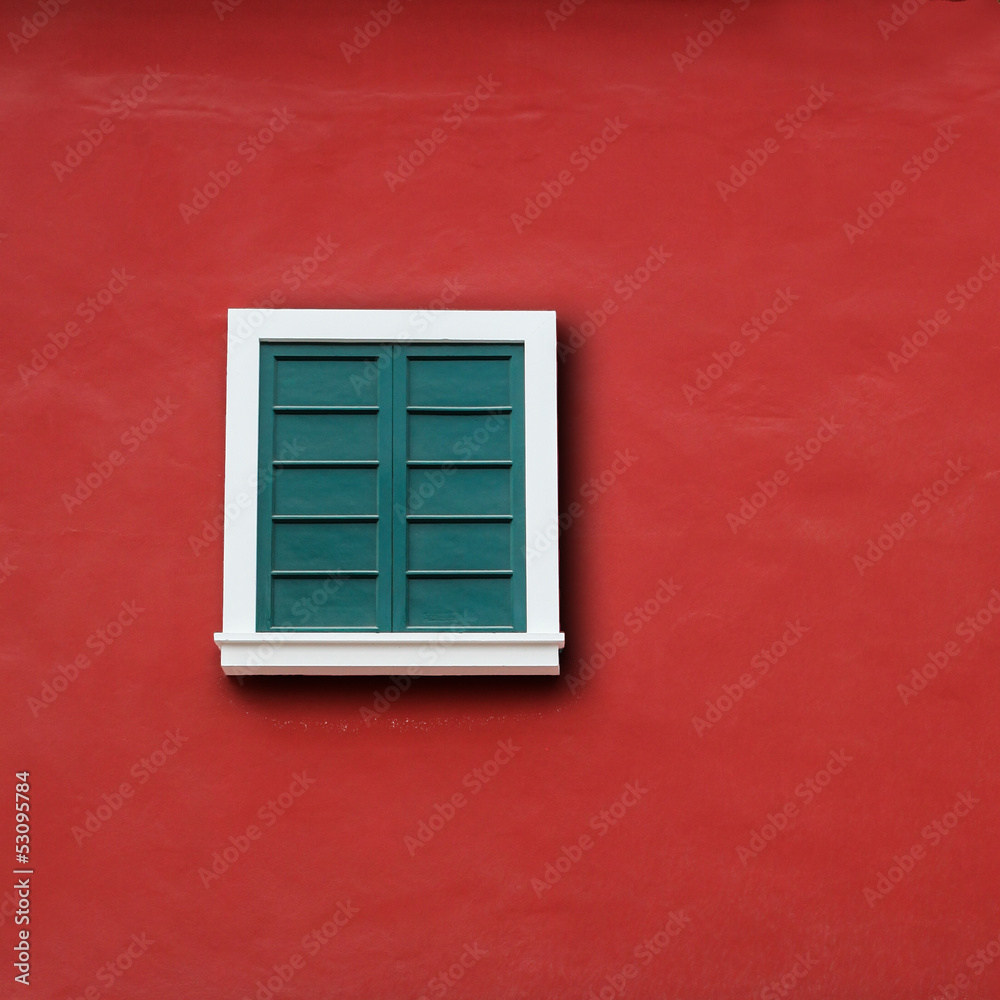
324,532
458,447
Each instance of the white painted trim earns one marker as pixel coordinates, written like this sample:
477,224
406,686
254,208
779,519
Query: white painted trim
535,651
418,654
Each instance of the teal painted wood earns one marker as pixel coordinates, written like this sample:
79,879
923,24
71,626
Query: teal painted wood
392,488
518,532
400,511
458,457
324,531
385,479
265,486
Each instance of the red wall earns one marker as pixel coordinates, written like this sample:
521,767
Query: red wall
693,841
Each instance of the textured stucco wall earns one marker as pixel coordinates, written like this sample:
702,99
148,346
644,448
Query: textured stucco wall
664,433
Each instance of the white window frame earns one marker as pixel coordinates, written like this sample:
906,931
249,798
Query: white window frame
247,651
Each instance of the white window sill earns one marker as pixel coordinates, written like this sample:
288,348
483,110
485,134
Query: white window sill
416,654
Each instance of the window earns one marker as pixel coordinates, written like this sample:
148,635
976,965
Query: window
385,471
404,499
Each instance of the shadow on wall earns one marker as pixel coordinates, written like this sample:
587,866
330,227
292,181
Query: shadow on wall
490,694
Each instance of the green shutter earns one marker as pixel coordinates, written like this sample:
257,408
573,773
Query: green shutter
392,488
324,548
458,491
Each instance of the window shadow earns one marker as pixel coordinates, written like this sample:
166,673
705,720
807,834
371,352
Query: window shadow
416,697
